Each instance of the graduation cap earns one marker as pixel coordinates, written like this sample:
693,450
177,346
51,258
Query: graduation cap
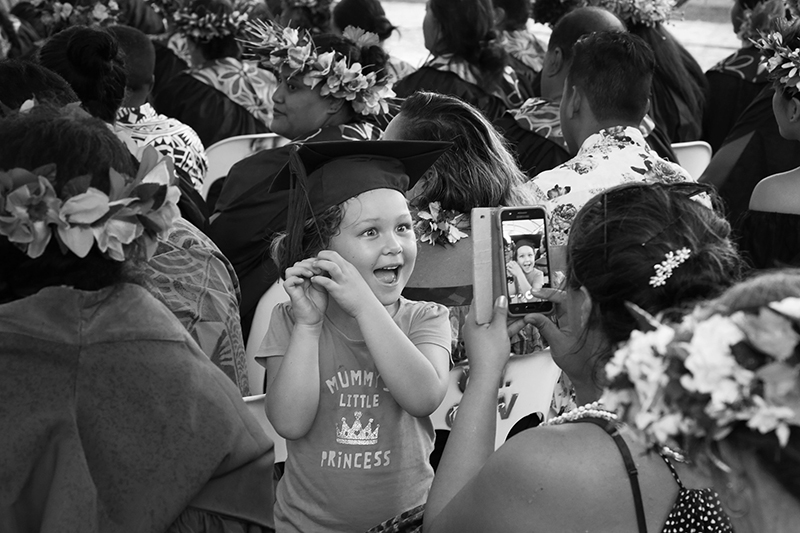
534,241
324,174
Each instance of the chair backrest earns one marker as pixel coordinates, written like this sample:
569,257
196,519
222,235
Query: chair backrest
693,156
256,405
222,155
255,372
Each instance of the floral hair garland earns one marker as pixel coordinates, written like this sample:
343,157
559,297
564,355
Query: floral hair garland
443,227
782,62
203,26
281,47
683,385
56,16
124,223
632,12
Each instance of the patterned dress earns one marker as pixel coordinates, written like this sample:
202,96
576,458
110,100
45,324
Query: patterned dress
733,84
169,136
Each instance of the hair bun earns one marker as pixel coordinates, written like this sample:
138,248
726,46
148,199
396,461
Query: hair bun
92,53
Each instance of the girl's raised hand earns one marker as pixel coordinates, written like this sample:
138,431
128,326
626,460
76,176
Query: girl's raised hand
343,282
309,300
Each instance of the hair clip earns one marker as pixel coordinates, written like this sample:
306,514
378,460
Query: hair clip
664,269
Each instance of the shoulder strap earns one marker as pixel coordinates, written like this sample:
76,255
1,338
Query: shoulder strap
672,470
610,427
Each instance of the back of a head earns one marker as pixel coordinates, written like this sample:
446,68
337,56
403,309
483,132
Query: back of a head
619,237
477,171
217,41
365,14
615,72
78,145
580,22
140,55
467,31
516,12
315,17
91,61
23,80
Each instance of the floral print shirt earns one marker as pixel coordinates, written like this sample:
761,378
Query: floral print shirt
524,45
608,158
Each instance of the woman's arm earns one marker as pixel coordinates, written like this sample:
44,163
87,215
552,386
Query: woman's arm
472,438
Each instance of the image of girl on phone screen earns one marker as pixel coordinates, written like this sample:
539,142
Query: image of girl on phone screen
354,370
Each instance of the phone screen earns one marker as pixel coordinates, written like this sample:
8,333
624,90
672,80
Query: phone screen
524,241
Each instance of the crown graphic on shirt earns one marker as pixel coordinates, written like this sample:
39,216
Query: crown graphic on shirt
357,434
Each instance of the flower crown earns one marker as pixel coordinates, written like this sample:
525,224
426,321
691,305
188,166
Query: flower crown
55,16
207,25
683,385
646,12
281,47
782,62
124,223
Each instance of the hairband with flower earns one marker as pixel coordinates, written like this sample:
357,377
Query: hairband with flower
56,16
632,12
682,386
124,223
441,226
289,47
203,25
781,61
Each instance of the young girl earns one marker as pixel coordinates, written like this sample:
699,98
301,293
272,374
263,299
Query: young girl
353,369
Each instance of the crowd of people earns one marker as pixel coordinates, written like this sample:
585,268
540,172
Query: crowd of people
129,286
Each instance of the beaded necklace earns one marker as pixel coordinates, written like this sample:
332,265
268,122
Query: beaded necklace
590,410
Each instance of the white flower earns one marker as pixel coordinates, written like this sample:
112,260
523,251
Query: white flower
769,332
710,359
768,418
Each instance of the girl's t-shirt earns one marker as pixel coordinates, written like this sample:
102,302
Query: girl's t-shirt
364,459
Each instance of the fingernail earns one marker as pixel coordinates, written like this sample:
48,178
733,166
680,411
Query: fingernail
501,301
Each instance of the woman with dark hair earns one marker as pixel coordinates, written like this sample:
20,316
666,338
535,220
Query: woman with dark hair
312,103
313,16
113,418
622,249
370,16
220,95
738,422
91,61
467,60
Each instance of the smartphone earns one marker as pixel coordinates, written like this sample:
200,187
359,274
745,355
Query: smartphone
523,256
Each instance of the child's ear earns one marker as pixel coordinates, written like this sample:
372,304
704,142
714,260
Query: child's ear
794,109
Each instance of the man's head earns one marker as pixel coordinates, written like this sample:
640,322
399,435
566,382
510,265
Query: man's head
608,84
140,61
567,32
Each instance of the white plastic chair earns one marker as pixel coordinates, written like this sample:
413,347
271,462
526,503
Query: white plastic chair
255,372
222,155
527,387
255,404
693,156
